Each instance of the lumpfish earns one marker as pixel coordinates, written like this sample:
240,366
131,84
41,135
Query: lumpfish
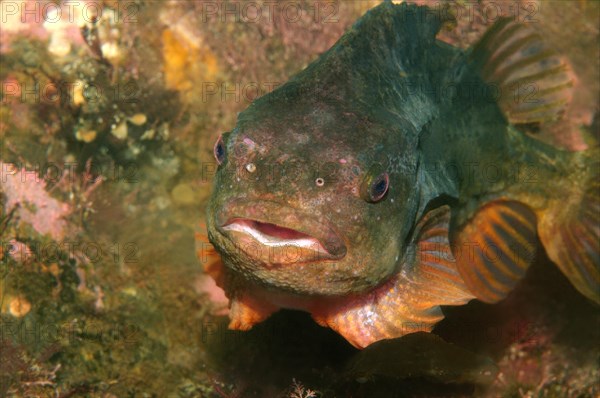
397,174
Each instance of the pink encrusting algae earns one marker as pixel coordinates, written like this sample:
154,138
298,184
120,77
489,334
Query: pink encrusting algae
26,192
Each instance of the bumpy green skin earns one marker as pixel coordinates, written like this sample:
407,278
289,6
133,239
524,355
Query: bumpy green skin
380,98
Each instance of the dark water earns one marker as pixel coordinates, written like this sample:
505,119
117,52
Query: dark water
109,113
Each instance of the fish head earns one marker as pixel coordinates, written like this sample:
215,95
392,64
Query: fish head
313,197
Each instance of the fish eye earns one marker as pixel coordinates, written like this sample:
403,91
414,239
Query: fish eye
374,189
219,150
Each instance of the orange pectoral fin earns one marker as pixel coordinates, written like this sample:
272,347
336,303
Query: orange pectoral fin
495,247
392,310
410,301
246,311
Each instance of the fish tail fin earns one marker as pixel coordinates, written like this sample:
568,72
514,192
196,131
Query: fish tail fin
533,84
570,228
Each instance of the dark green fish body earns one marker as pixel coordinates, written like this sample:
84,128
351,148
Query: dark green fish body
369,189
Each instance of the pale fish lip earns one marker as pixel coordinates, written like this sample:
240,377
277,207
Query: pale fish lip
275,244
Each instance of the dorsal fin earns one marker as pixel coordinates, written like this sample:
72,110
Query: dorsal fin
534,83
402,24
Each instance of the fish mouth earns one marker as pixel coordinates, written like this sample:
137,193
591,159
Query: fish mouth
277,234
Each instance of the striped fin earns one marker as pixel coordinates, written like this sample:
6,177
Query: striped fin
535,84
410,301
391,310
495,247
570,233
436,272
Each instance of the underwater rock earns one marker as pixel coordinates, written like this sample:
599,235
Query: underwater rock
183,194
421,355
188,61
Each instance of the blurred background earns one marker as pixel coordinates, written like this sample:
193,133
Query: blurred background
109,111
